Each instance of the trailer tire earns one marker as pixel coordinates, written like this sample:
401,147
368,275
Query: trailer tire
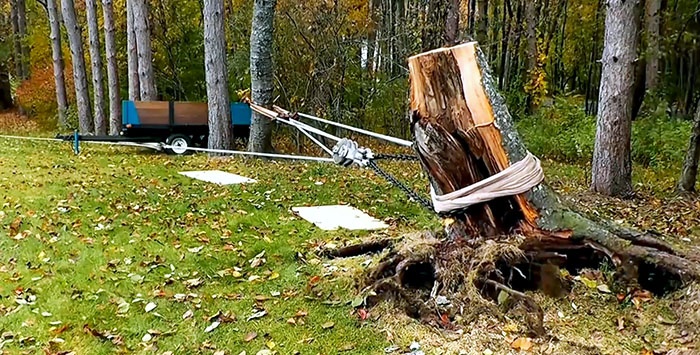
179,144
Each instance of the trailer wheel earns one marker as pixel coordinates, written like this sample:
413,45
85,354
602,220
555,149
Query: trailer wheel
179,144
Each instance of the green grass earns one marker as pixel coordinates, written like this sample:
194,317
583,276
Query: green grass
117,225
88,234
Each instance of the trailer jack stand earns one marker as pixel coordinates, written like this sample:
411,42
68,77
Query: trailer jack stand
76,142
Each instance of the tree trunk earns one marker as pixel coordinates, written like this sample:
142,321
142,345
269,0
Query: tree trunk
5,88
433,31
75,40
531,34
115,119
98,86
147,81
220,130
653,32
612,164
261,72
22,28
58,65
16,39
132,54
452,24
482,21
464,134
690,166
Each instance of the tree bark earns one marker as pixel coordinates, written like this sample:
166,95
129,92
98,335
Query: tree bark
58,64
147,83
690,166
115,119
653,33
22,28
220,130
5,88
132,54
261,73
98,86
452,22
16,39
612,164
482,21
531,34
75,40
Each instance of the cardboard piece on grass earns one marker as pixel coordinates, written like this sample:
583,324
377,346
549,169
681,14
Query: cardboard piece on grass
218,177
337,216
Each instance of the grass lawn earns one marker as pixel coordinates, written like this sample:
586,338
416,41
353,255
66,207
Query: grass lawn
91,243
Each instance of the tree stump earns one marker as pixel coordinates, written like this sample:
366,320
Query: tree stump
497,249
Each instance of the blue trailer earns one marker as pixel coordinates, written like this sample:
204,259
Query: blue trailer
176,124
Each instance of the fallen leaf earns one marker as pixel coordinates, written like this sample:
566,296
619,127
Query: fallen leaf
211,327
502,297
363,314
603,288
150,306
524,344
193,283
250,336
358,301
196,249
588,282
347,347
188,314
328,325
257,315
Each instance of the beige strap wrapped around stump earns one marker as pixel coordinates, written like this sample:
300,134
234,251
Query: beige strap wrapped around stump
516,179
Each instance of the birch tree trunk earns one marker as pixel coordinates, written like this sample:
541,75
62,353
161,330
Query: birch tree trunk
142,31
132,54
612,164
75,40
98,86
115,120
653,28
220,126
22,28
690,166
58,65
261,72
16,39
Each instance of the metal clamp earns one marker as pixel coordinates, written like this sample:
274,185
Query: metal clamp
347,152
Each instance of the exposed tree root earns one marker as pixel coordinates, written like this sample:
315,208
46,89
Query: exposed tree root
373,246
439,280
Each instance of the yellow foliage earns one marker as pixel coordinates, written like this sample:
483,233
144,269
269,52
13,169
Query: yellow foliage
536,85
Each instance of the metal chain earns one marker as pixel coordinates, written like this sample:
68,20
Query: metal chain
396,157
411,194
401,186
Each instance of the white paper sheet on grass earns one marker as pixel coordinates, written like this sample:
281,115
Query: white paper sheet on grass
218,177
337,216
